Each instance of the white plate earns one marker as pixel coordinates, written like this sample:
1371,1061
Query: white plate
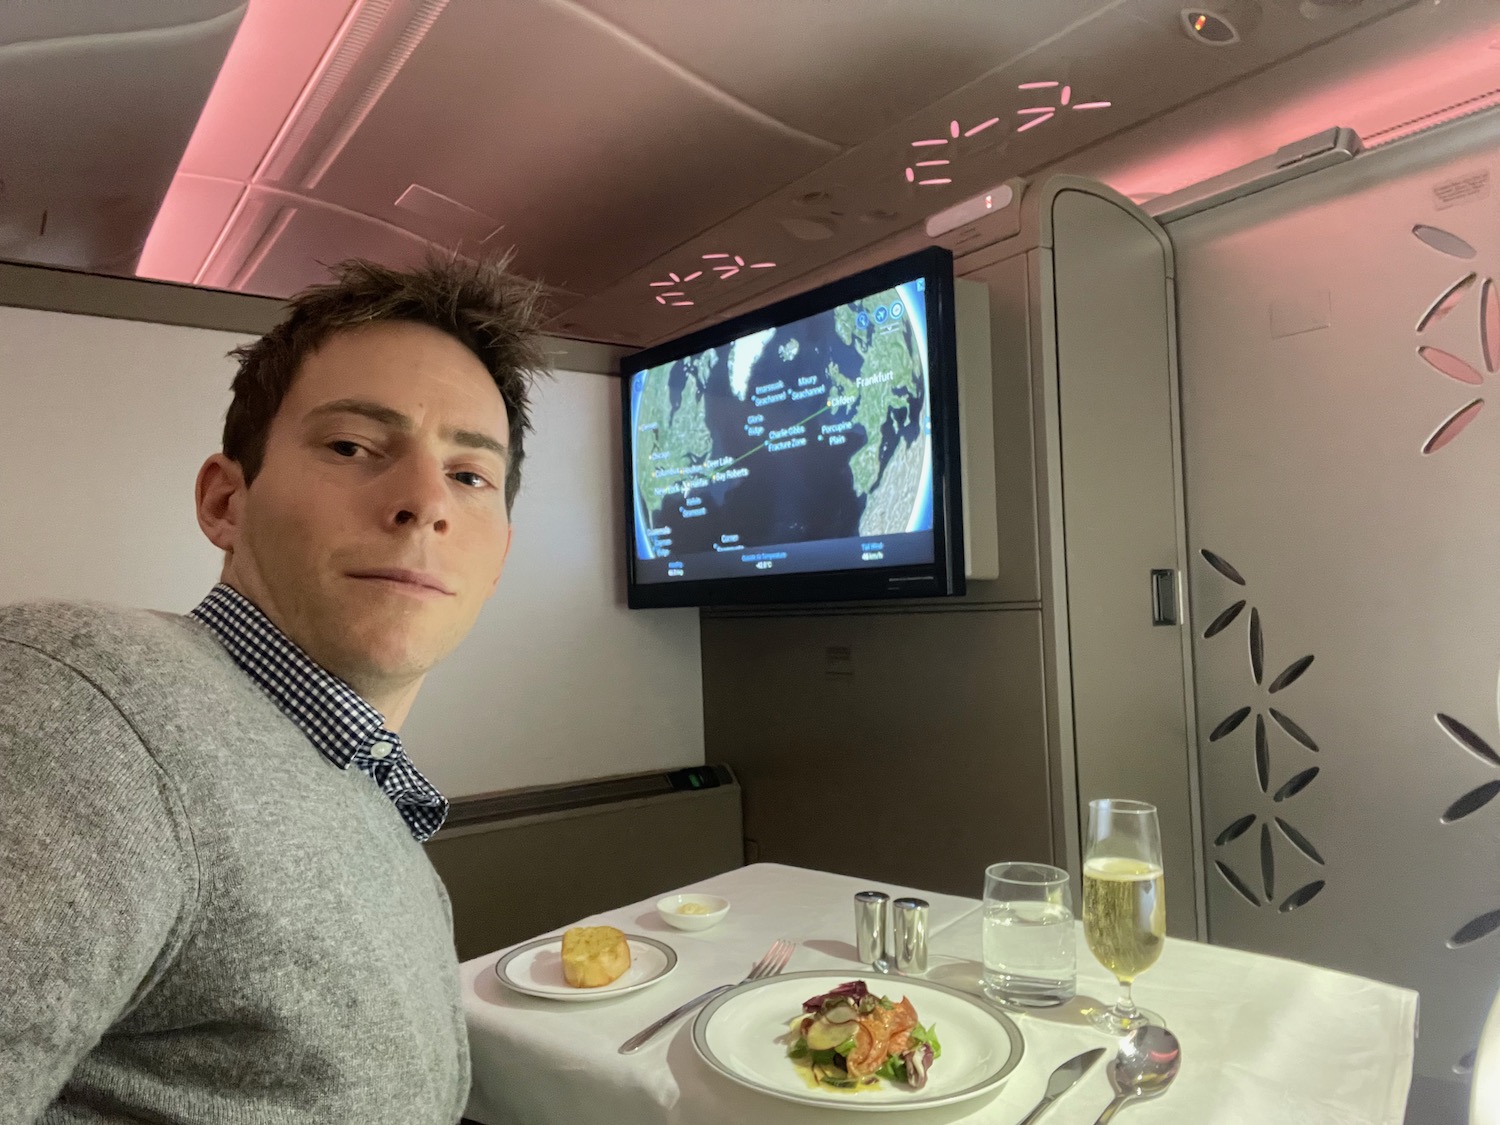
740,1036
536,969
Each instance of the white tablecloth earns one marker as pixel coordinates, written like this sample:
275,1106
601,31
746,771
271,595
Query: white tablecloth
1263,1040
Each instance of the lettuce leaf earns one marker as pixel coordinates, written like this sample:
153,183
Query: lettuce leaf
854,991
893,1069
928,1035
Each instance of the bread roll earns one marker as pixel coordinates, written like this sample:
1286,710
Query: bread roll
593,956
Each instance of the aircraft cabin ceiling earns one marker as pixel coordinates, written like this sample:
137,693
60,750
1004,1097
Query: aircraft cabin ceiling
658,163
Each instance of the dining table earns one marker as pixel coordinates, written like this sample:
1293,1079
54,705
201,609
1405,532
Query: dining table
1262,1039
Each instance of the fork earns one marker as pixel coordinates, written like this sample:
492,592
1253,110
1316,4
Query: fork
768,966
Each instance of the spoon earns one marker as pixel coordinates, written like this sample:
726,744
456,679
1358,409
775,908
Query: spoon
1062,1081
1144,1068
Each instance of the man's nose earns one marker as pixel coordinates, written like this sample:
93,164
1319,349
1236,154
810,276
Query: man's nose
419,496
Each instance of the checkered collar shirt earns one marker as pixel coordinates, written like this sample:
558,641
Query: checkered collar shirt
343,727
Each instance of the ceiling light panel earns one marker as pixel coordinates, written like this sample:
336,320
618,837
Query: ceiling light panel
674,290
939,157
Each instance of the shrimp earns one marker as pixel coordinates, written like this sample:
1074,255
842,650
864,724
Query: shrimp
877,1037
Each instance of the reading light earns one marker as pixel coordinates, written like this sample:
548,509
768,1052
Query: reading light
971,209
1220,23
1209,29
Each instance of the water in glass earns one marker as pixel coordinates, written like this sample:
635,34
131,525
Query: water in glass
1028,938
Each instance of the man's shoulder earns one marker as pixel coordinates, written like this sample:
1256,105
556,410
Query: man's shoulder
94,635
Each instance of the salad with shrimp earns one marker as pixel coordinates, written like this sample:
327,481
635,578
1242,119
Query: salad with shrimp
851,1039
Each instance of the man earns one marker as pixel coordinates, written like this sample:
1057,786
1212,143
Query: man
214,903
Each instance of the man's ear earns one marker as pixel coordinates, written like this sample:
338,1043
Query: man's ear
220,495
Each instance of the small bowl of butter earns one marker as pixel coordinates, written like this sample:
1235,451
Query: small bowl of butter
692,911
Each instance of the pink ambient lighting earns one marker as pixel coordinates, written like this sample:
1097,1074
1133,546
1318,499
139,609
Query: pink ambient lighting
1036,85
1453,426
678,298
983,125
1093,105
926,182
911,177
278,48
924,144
1384,100
1034,122
932,163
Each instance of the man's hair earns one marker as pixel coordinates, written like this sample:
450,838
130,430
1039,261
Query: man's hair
491,311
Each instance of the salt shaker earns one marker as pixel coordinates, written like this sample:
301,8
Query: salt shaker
909,922
869,928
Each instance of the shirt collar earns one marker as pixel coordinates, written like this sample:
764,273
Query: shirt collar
340,724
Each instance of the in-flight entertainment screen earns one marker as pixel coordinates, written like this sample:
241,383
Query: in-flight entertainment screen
805,446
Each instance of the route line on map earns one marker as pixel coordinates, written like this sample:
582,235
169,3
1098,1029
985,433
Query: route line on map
763,444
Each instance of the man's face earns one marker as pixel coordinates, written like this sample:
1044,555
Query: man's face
376,527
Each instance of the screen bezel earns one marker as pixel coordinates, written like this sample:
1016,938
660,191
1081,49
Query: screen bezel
944,575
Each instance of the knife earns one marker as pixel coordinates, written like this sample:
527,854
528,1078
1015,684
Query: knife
1062,1081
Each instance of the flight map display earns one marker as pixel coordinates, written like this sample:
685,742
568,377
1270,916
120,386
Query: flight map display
806,447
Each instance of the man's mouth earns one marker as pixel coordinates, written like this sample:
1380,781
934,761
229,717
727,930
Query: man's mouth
415,581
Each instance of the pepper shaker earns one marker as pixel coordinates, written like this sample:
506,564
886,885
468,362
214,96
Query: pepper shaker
909,922
869,929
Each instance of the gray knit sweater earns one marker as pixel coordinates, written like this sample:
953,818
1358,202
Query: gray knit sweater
201,920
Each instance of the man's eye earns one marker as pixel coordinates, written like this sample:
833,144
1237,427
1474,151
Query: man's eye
344,448
472,480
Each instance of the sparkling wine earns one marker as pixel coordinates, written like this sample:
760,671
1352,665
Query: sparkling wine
1124,914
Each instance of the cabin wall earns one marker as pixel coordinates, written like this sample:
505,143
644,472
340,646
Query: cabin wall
880,708
104,422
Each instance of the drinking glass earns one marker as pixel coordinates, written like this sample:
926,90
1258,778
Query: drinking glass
1124,904
1030,952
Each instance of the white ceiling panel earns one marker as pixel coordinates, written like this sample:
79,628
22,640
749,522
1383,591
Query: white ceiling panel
593,154
323,238
94,120
1134,57
658,163
846,70
32,20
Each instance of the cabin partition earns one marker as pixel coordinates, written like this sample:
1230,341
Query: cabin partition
1340,345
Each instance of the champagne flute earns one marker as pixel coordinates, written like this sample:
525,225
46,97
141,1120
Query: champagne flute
1124,904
